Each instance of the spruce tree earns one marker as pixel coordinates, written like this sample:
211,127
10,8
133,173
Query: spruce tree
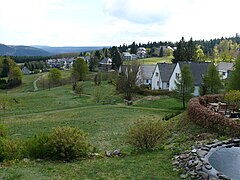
233,83
211,81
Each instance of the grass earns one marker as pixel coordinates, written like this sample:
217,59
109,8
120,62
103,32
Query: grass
107,125
155,60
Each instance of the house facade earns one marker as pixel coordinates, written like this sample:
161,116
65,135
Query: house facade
145,74
165,75
162,76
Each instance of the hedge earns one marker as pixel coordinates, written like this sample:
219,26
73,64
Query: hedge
203,116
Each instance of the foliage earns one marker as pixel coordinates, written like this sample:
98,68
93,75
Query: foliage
184,85
145,135
3,131
54,76
161,52
210,120
80,69
116,58
233,83
233,97
126,81
93,63
11,149
68,143
185,51
211,81
79,88
15,73
38,146
199,54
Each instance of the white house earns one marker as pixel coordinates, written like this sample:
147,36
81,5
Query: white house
165,75
224,68
145,74
141,52
162,76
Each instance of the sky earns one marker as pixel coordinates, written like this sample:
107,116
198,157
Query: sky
115,22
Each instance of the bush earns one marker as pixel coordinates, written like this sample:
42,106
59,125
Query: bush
145,135
38,147
11,149
3,84
3,131
68,143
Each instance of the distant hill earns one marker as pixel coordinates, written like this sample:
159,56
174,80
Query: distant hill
69,49
9,50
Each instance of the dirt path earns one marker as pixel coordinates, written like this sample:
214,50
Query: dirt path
35,83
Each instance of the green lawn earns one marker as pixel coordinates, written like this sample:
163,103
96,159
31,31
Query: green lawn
31,113
155,60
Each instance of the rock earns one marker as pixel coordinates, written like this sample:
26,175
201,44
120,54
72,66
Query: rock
208,166
108,153
194,151
204,148
117,152
201,153
183,176
203,174
175,163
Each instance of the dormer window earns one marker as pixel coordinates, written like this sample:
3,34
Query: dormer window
156,74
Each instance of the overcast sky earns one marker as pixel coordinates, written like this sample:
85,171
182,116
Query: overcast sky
114,22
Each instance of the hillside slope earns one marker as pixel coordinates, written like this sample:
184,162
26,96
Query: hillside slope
8,50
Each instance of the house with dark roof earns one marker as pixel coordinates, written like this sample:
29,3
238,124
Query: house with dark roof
162,76
145,74
224,69
198,70
25,71
165,75
105,64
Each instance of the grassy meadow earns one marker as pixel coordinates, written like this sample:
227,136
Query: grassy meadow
30,113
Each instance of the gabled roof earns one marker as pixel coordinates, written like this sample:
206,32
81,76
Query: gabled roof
198,70
106,61
166,70
225,66
147,71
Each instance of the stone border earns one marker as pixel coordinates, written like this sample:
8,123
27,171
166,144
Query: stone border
195,162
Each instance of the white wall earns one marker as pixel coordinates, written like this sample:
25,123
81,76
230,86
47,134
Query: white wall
221,72
155,78
196,91
172,84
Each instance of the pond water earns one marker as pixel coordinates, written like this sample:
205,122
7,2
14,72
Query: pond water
226,161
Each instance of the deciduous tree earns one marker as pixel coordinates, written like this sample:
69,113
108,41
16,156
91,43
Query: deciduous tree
80,69
184,85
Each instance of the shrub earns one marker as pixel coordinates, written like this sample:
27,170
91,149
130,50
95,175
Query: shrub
145,135
203,116
233,97
38,147
11,149
3,131
68,143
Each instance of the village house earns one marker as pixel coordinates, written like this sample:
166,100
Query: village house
25,71
162,76
105,64
224,69
145,75
165,75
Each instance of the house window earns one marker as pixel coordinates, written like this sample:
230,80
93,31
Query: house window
157,83
167,84
156,74
224,73
147,81
177,75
